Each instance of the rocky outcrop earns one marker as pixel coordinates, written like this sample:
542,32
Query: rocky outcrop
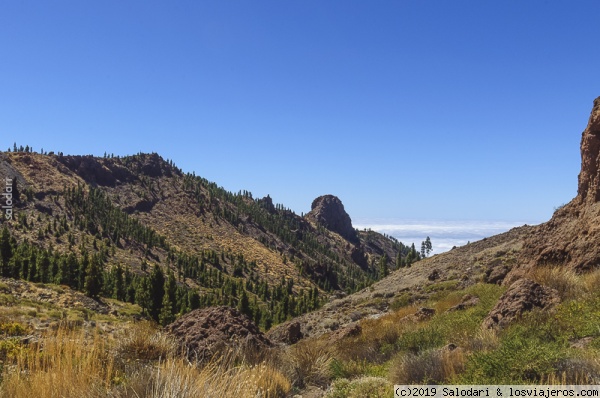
329,212
109,171
572,237
522,296
267,204
588,191
204,333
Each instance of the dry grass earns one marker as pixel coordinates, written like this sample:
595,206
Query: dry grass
375,335
144,341
482,340
566,281
430,367
176,378
569,284
308,362
65,364
68,363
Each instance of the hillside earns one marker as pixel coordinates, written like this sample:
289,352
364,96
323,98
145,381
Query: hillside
140,217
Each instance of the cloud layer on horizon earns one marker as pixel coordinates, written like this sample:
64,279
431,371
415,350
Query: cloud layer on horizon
443,234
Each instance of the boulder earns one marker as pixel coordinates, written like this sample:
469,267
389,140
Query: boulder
522,296
287,333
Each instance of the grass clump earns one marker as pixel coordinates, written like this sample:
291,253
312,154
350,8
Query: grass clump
364,387
429,367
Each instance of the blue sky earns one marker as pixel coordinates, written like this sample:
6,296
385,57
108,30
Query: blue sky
469,110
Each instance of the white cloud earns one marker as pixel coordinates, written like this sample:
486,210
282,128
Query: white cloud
444,234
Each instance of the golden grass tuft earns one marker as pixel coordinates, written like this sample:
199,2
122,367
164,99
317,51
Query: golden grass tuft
565,281
429,367
570,284
308,362
144,341
64,364
70,363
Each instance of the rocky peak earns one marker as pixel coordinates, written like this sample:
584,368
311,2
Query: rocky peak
328,211
267,203
588,191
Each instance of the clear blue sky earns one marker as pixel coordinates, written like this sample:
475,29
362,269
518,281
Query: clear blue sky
404,109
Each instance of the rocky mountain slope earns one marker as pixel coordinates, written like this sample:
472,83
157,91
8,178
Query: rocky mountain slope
138,212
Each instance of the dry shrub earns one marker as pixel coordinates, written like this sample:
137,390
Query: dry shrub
363,387
566,281
591,281
378,337
63,364
308,362
483,340
450,300
574,371
177,378
69,364
430,367
144,341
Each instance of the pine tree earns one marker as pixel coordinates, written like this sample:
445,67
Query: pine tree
93,279
244,305
167,312
428,246
383,266
6,251
157,291
142,295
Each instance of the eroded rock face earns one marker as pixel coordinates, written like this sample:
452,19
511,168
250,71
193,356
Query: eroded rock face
328,211
206,332
572,237
589,178
522,296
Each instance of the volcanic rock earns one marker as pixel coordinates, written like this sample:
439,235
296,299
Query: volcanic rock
522,296
329,212
288,333
203,333
352,330
572,237
589,177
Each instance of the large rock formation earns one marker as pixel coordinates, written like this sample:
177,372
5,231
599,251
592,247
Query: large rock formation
328,211
572,237
588,191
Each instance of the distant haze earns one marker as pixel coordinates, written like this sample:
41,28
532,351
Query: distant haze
444,234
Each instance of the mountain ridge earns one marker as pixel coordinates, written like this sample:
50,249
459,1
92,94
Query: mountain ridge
141,210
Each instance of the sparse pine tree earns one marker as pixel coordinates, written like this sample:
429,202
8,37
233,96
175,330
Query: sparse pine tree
244,304
428,246
93,279
383,266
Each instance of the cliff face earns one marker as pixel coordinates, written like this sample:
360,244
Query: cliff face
572,236
589,178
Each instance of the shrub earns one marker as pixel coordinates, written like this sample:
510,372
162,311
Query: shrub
430,367
308,362
364,387
145,342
